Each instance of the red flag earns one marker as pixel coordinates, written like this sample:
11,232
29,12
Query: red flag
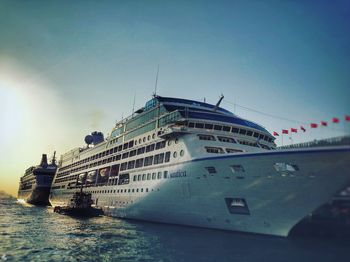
275,133
294,130
284,131
323,123
313,125
347,118
335,120
302,128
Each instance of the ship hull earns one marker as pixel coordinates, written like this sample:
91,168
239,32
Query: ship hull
37,196
270,201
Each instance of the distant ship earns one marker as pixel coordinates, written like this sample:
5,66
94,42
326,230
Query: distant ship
35,184
187,162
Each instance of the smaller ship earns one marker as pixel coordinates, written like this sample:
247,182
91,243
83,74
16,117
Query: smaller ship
79,206
35,184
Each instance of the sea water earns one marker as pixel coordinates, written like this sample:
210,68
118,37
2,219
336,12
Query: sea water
29,233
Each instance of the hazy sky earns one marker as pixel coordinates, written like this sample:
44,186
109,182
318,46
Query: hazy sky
70,67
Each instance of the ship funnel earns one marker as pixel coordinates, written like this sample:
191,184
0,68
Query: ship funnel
43,162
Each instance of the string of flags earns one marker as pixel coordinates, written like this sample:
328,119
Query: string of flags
335,120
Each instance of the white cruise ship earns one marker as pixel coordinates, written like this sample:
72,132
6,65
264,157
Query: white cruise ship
191,163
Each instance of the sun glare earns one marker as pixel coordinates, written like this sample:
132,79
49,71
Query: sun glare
11,114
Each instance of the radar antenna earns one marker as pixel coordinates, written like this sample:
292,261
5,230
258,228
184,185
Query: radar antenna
53,161
218,103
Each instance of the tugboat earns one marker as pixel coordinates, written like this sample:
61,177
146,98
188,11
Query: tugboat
35,184
79,206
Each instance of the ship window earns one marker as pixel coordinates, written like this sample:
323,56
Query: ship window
149,137
237,206
139,162
226,128
123,166
214,150
153,135
131,164
234,130
137,190
261,136
135,142
231,150
160,145
211,169
141,189
191,124
249,133
150,148
208,126
125,155
154,176
159,175
206,137
125,146
265,147
149,176
118,157
242,131
103,153
132,153
148,161
226,139
167,157
256,134
120,148
284,167
138,177
140,140
141,150
144,139
143,176
237,169
182,152
131,143
175,154
199,125
134,178
217,127
165,174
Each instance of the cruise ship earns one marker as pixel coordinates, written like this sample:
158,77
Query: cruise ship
35,184
192,163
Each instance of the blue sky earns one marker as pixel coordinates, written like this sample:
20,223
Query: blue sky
80,63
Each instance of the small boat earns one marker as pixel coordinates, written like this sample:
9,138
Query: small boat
79,206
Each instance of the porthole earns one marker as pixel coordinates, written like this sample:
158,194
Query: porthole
175,154
182,153
176,141
153,136
149,137
144,139
169,142
135,142
140,140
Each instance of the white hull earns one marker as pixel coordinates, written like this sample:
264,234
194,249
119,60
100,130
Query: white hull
276,201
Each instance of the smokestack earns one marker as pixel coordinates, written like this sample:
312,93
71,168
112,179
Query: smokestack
43,161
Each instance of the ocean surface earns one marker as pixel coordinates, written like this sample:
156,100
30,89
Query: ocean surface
29,233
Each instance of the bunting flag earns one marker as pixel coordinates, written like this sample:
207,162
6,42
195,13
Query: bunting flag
313,125
275,133
323,123
284,131
347,118
302,128
335,120
294,130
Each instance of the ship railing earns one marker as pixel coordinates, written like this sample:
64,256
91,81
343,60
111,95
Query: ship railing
334,141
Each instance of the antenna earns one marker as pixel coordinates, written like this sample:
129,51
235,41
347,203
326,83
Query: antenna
156,85
133,105
218,103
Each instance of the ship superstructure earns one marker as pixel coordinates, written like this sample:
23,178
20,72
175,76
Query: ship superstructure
35,184
187,162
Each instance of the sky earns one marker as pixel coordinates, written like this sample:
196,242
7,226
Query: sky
71,67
